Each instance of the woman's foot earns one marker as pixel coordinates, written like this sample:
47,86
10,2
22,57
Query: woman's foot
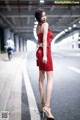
47,112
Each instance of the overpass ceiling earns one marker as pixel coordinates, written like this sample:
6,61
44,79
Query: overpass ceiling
19,15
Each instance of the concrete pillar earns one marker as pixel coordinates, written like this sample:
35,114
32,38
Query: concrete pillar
21,44
76,39
16,41
0,44
79,41
12,35
25,45
2,40
6,34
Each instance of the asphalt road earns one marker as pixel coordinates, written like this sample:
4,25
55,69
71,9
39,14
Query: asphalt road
65,100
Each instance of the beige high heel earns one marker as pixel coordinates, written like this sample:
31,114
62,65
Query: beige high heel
47,113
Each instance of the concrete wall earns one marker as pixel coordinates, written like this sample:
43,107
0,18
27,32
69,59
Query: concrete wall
69,43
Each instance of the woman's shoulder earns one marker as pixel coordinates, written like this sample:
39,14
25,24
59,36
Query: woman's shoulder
45,24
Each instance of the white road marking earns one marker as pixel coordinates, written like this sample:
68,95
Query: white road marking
74,69
31,99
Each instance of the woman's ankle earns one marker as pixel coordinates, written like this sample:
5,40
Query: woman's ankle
47,105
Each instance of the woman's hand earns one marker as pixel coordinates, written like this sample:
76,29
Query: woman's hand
44,59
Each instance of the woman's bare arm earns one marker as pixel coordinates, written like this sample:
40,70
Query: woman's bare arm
45,31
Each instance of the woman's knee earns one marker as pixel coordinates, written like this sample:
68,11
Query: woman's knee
50,75
42,75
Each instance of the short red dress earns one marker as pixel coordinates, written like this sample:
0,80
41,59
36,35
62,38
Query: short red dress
39,53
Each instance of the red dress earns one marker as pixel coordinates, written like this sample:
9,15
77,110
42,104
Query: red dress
39,53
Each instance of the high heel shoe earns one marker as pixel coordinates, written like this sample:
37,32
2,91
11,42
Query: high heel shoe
47,113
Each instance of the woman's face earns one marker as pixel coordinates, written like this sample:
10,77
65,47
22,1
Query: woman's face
43,18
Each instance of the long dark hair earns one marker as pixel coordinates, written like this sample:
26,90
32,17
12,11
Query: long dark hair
38,14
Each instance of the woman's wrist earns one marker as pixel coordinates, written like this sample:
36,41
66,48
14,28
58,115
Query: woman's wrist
45,59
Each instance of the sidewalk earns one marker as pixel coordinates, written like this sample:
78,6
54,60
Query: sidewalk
9,71
12,74
16,54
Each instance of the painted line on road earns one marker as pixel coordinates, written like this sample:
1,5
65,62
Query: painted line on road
34,113
74,69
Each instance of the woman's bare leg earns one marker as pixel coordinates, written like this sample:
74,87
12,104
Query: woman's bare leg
49,87
48,94
41,85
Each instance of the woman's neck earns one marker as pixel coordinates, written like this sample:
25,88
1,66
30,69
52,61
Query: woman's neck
40,23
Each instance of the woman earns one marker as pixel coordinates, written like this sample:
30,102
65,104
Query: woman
44,60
